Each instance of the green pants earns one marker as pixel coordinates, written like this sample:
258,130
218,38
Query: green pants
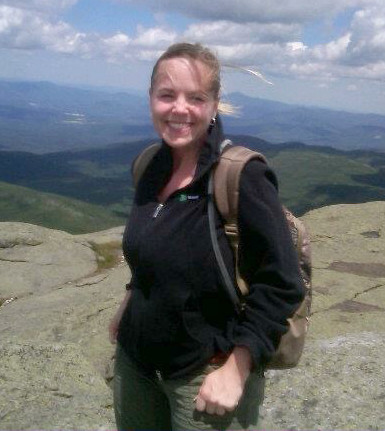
149,402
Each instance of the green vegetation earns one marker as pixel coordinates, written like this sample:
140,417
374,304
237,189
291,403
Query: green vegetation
314,178
52,211
96,192
108,254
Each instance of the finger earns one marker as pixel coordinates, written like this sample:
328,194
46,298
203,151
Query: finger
211,408
220,411
231,406
200,404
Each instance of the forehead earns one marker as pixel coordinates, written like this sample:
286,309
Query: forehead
183,72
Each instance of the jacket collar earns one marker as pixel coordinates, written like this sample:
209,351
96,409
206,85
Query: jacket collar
211,149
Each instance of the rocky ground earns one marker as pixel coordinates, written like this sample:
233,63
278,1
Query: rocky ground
58,292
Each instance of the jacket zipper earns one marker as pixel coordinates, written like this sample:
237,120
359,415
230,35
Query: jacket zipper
160,206
158,209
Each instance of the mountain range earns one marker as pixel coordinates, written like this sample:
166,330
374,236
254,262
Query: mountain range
42,117
309,177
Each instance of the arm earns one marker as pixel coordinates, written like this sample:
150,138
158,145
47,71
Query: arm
268,263
222,389
114,323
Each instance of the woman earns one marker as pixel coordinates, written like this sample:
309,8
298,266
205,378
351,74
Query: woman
185,359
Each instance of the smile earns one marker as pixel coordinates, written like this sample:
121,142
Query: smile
178,126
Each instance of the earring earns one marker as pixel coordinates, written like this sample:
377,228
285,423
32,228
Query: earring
213,121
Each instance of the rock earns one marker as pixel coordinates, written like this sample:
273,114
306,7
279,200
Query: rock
336,386
56,336
338,383
348,269
104,237
34,260
54,347
46,386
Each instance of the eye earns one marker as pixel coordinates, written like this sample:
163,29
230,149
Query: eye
165,96
197,98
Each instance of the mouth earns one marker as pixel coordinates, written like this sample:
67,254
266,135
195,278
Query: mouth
176,125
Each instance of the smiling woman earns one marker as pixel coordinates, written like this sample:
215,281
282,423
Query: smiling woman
185,358
182,102
184,97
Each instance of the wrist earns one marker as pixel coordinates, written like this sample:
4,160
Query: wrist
240,359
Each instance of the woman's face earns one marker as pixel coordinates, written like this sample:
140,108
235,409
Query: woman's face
182,103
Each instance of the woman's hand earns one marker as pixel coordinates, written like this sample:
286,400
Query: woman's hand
222,389
115,321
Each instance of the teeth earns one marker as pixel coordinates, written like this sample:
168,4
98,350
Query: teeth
178,125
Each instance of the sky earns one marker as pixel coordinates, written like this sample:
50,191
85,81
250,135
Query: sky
326,53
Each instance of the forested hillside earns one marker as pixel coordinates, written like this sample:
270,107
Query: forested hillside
309,177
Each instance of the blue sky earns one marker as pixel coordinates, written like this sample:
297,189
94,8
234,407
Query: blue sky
316,52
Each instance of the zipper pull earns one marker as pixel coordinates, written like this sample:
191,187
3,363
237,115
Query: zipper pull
157,210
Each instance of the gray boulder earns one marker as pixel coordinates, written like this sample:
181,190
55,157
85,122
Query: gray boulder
54,347
35,260
56,357
339,382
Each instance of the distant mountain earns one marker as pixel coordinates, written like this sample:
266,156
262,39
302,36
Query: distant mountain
42,117
309,176
279,122
57,212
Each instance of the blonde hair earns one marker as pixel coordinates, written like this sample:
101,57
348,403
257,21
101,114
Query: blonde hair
196,51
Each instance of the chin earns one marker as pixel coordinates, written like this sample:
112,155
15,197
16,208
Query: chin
183,141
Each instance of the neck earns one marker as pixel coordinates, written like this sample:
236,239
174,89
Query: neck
185,159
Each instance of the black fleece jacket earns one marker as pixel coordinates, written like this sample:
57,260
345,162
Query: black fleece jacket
179,314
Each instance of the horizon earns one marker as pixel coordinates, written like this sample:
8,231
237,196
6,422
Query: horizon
317,53
132,91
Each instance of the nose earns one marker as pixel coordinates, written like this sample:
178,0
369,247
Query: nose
180,104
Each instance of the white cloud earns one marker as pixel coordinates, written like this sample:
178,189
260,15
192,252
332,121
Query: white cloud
24,29
290,11
334,50
41,6
296,46
227,32
249,54
154,37
258,33
360,53
368,35
27,29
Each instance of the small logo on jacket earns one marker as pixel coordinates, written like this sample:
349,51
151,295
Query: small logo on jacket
183,197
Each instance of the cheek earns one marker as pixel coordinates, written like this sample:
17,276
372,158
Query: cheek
157,107
206,116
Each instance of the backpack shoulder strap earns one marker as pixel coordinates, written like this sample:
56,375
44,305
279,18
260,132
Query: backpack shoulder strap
142,161
227,178
226,193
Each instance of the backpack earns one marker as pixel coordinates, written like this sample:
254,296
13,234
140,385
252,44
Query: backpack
224,186
223,191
